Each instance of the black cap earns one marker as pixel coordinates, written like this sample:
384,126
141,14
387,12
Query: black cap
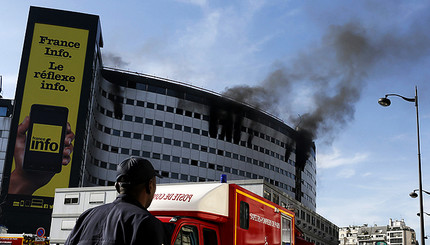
135,170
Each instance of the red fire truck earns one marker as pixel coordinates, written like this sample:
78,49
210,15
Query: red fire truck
222,214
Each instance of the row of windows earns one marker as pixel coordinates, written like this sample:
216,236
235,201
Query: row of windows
312,220
202,164
178,111
184,144
159,123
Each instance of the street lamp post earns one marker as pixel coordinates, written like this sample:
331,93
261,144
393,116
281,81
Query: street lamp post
415,195
386,102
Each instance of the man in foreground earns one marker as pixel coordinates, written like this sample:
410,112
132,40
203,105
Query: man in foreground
126,220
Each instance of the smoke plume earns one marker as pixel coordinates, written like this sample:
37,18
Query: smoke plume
113,60
328,79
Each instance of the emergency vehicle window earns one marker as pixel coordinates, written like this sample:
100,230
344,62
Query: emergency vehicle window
209,237
244,215
286,230
188,235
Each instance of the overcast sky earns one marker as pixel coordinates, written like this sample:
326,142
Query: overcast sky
324,64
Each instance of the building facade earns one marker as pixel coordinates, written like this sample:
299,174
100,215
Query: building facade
191,135
315,228
395,233
5,120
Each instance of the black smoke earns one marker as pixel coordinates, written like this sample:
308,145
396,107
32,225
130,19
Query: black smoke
327,80
117,99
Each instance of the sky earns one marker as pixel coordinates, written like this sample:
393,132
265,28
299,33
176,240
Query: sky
321,65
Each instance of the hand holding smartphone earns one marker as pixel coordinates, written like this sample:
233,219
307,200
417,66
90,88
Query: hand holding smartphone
45,136
43,145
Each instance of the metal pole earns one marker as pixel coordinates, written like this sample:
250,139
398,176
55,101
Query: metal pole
419,172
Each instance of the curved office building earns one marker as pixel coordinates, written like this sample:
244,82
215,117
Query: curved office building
191,135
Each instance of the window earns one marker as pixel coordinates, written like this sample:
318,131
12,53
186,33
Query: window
128,118
160,107
184,177
267,195
112,166
169,109
97,198
156,89
175,159
179,111
138,119
149,121
158,123
244,215
210,237
71,198
67,225
285,230
188,235
275,198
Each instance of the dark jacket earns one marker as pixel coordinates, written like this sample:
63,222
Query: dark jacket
125,221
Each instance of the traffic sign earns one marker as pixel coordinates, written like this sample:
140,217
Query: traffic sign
40,232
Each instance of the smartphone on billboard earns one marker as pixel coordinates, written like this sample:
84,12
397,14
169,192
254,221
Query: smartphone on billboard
45,138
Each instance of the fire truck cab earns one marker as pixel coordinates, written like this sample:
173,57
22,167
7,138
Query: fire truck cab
221,214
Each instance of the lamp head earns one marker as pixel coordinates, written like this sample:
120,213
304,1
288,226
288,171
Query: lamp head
384,101
413,194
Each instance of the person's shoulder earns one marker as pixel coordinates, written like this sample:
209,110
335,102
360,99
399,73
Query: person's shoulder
131,207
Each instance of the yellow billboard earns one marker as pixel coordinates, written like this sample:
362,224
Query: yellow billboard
49,111
59,63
